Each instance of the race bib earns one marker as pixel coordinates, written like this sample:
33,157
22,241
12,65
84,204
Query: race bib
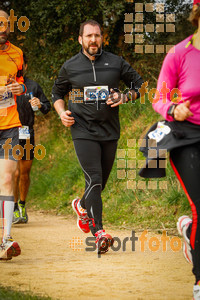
24,133
6,98
95,93
159,133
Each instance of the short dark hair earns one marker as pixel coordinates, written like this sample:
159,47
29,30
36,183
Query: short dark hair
194,16
91,22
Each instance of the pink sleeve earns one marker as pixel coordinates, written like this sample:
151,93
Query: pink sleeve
167,81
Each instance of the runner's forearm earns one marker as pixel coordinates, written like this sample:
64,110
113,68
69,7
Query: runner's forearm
59,106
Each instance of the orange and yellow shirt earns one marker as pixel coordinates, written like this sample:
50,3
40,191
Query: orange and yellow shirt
11,62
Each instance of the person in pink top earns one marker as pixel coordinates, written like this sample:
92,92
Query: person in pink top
180,75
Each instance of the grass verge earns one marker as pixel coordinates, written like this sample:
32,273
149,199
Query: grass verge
9,294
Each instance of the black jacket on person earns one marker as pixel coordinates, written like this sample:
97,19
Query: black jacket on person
93,122
180,134
26,114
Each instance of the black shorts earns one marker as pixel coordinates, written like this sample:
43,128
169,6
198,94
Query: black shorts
28,151
9,142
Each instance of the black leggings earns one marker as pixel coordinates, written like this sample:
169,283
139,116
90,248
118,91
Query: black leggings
186,165
96,160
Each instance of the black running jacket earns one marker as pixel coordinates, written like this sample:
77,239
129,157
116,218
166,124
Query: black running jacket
26,114
96,121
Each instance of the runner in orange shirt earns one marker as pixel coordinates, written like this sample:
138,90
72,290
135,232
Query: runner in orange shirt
11,84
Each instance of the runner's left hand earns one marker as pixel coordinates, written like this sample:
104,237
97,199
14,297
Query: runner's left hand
115,98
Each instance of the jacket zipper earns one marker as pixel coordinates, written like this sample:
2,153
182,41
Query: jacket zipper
95,78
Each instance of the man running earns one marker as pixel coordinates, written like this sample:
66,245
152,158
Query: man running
26,135
11,84
90,76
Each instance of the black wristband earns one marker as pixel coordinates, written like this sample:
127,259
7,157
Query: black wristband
171,109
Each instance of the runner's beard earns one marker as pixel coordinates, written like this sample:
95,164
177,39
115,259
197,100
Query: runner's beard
92,52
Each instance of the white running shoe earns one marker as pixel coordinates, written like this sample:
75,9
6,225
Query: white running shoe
9,248
182,225
196,292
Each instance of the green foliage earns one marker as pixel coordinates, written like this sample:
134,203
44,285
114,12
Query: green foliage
9,294
58,176
53,34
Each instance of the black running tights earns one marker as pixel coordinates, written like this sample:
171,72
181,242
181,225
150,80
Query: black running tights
185,162
96,160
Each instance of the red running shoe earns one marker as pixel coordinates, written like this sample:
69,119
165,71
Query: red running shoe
103,241
82,217
9,248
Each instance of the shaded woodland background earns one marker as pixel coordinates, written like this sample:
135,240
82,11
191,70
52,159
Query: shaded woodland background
54,26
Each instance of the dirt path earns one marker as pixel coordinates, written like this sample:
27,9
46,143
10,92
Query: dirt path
49,266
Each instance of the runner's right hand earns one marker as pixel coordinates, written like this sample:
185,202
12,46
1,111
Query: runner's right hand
66,119
15,87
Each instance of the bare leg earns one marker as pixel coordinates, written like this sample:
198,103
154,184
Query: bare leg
24,178
16,188
7,171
